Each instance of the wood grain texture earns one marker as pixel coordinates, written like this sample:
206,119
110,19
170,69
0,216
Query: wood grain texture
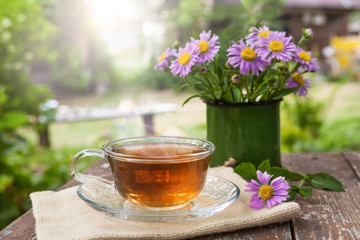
327,214
274,232
353,159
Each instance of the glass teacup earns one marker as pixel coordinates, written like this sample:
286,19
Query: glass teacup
153,172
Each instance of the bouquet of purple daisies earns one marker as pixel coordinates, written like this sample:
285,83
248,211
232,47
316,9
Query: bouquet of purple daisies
265,65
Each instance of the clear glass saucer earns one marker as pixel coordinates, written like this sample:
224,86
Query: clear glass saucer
218,194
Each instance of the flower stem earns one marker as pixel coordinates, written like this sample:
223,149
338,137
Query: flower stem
296,67
195,89
301,41
247,89
301,183
206,82
214,80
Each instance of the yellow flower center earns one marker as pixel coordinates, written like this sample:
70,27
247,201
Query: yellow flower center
248,54
264,34
266,192
162,57
204,46
185,58
304,56
276,46
299,79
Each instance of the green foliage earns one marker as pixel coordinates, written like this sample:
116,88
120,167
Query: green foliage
324,181
229,20
307,127
307,114
18,55
25,34
232,21
247,170
302,121
264,165
289,175
305,192
27,170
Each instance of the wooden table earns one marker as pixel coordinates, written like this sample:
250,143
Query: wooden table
326,215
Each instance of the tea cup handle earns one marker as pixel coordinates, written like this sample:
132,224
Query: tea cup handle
85,178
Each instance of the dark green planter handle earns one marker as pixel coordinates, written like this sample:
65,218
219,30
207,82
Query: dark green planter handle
248,132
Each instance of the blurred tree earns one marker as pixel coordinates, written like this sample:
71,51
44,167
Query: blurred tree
81,63
20,47
24,39
11,203
229,19
184,18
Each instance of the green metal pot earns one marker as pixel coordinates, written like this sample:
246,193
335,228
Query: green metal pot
248,132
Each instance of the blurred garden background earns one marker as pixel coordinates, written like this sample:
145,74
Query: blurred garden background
75,74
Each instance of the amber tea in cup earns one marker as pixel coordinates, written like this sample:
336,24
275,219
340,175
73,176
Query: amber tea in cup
154,172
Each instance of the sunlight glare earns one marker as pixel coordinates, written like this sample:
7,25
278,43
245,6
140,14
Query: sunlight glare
105,11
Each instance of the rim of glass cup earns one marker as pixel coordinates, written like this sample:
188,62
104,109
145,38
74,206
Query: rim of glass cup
207,146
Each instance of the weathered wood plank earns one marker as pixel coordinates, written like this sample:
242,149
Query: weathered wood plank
274,231
327,215
22,228
353,158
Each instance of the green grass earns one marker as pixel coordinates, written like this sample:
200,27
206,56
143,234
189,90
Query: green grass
340,130
92,133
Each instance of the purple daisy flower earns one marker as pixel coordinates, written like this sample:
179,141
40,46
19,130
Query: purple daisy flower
207,46
164,59
256,34
246,58
306,60
298,80
266,192
277,46
185,59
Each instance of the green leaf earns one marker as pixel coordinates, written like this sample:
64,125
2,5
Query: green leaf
189,98
305,191
237,94
246,170
261,91
192,79
292,192
292,196
282,93
218,94
264,165
289,175
325,181
181,87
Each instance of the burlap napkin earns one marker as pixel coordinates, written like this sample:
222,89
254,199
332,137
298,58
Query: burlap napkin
63,215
